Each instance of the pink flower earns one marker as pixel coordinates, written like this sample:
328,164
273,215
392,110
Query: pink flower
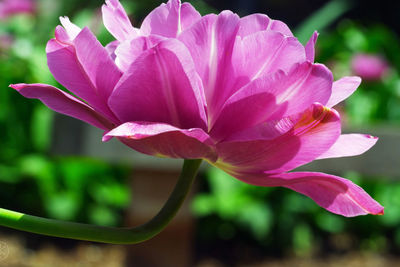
369,67
241,93
13,7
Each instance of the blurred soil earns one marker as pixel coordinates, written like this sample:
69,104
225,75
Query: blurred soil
17,251
348,260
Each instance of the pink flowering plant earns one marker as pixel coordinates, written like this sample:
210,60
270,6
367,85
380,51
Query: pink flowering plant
369,66
14,7
242,94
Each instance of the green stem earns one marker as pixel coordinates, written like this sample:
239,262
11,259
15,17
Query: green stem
103,234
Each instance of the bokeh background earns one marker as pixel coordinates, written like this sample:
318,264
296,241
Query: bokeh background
55,166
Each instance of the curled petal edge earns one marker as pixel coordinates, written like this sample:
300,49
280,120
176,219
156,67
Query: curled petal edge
64,103
310,47
335,194
348,145
342,89
164,140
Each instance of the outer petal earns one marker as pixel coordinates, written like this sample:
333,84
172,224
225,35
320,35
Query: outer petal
336,194
117,22
260,22
310,47
71,29
313,132
264,52
274,97
63,103
161,86
159,139
342,89
349,145
170,19
85,68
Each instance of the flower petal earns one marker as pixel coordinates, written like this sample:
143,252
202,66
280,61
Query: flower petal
264,52
170,19
71,29
336,194
264,131
342,89
260,22
349,145
117,22
84,68
111,47
210,42
313,132
161,86
63,103
310,47
273,97
129,50
163,140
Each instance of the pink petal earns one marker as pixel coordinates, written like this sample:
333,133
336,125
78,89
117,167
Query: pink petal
264,52
264,131
111,47
163,140
260,22
342,89
349,145
63,103
313,132
161,86
117,22
129,50
210,42
310,47
170,19
336,194
274,97
71,29
62,36
85,68
67,32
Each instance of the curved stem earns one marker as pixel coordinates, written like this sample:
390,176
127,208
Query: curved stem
103,234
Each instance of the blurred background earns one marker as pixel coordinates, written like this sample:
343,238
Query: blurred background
57,167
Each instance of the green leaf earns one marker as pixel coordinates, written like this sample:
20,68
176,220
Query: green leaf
102,215
62,206
111,193
203,205
330,222
258,217
42,123
302,240
322,18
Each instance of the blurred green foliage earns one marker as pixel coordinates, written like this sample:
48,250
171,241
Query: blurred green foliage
322,18
31,178
277,220
281,221
374,101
